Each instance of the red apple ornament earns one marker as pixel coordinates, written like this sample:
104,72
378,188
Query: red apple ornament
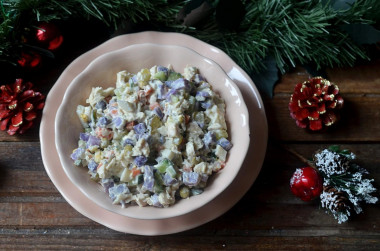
306,183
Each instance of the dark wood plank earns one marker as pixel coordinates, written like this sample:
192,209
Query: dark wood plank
93,242
361,79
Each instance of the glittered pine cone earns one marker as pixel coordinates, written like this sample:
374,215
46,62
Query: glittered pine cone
330,163
19,104
333,199
314,103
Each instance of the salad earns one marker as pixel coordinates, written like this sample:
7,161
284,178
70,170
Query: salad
155,138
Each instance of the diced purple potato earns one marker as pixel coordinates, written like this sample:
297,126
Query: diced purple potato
170,93
202,94
93,141
101,105
107,184
209,139
162,139
140,160
162,68
169,180
204,85
128,142
140,128
114,191
134,79
169,83
198,78
225,144
206,104
161,92
191,178
77,153
155,200
92,166
118,122
148,178
84,136
102,122
180,84
158,112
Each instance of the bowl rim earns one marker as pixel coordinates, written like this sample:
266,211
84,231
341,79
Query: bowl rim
63,156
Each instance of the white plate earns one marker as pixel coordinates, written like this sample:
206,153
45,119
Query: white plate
210,211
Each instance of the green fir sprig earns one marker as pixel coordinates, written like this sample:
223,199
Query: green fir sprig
345,186
271,35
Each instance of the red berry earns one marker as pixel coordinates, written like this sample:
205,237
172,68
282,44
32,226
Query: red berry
48,35
306,183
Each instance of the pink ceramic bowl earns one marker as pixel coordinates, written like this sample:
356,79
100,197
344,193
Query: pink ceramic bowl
102,72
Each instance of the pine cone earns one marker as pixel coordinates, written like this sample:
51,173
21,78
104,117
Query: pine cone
314,103
333,199
18,106
329,162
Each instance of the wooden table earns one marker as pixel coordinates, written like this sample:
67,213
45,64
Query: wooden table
33,214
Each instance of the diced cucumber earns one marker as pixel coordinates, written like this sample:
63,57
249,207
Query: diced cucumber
163,165
174,76
158,183
171,171
161,75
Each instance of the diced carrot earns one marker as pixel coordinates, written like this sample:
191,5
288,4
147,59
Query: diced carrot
107,99
187,119
141,94
114,112
129,126
110,135
100,164
135,172
152,106
148,90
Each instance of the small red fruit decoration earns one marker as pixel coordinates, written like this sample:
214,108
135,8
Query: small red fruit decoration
49,36
306,183
314,104
29,60
19,104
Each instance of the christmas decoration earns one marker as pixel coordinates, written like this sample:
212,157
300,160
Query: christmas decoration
314,104
49,36
263,35
345,187
306,183
29,60
336,202
19,104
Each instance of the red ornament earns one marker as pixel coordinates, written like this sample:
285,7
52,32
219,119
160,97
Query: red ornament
19,104
306,183
29,60
314,103
49,36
